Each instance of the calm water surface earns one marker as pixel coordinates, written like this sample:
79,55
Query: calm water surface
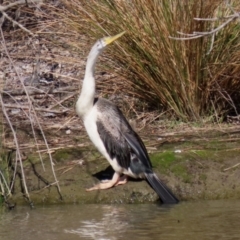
195,220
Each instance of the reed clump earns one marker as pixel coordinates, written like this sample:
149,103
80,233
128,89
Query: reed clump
183,78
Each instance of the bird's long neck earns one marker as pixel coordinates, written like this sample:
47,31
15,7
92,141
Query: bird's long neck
85,100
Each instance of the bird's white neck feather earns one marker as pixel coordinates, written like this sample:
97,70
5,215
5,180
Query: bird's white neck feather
85,100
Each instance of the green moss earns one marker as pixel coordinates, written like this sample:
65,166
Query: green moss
163,160
203,177
181,171
67,154
170,161
1,200
33,158
203,154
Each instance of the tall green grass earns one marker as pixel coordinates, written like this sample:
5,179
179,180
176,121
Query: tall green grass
179,77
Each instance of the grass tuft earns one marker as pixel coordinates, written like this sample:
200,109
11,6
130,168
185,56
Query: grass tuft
179,77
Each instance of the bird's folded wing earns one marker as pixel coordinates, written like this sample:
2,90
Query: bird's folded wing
138,148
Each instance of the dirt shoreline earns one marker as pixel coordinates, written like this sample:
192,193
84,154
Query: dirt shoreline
194,168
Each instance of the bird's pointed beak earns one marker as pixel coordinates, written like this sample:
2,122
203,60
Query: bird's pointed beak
111,39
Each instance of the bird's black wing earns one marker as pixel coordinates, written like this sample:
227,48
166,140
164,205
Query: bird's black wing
120,140
140,161
116,146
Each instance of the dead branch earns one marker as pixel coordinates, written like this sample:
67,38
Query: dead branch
17,23
31,120
10,5
36,109
3,10
35,91
195,35
226,169
62,147
18,154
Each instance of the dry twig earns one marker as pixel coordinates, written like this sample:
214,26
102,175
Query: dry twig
234,166
195,35
36,109
3,10
10,5
212,33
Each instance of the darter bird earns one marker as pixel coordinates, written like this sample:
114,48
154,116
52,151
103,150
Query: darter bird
113,136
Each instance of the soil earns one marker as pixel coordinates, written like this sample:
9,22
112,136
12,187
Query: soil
192,165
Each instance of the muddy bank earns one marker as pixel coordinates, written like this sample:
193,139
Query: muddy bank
193,167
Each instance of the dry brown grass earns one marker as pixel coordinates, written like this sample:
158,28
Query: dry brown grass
27,105
175,76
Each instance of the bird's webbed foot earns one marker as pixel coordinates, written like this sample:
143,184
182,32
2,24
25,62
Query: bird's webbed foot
122,180
116,180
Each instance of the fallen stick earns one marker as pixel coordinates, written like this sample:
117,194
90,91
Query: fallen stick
37,109
36,91
226,169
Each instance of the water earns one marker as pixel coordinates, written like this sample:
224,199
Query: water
188,220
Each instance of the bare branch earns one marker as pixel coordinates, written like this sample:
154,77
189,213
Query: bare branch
31,111
37,109
5,15
18,154
195,35
17,23
211,46
10,5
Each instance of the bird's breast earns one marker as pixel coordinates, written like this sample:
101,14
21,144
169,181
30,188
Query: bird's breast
90,123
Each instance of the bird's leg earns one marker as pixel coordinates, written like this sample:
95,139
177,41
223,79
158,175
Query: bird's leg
122,180
105,180
106,185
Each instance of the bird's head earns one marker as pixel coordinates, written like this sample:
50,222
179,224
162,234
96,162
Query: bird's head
103,42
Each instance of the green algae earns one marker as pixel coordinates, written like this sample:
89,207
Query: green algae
163,159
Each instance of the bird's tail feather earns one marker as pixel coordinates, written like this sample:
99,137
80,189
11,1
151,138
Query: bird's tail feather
161,189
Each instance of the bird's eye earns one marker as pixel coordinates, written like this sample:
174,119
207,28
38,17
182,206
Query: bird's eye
98,45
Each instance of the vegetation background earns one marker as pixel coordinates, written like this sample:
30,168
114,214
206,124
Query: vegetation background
178,62
190,79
